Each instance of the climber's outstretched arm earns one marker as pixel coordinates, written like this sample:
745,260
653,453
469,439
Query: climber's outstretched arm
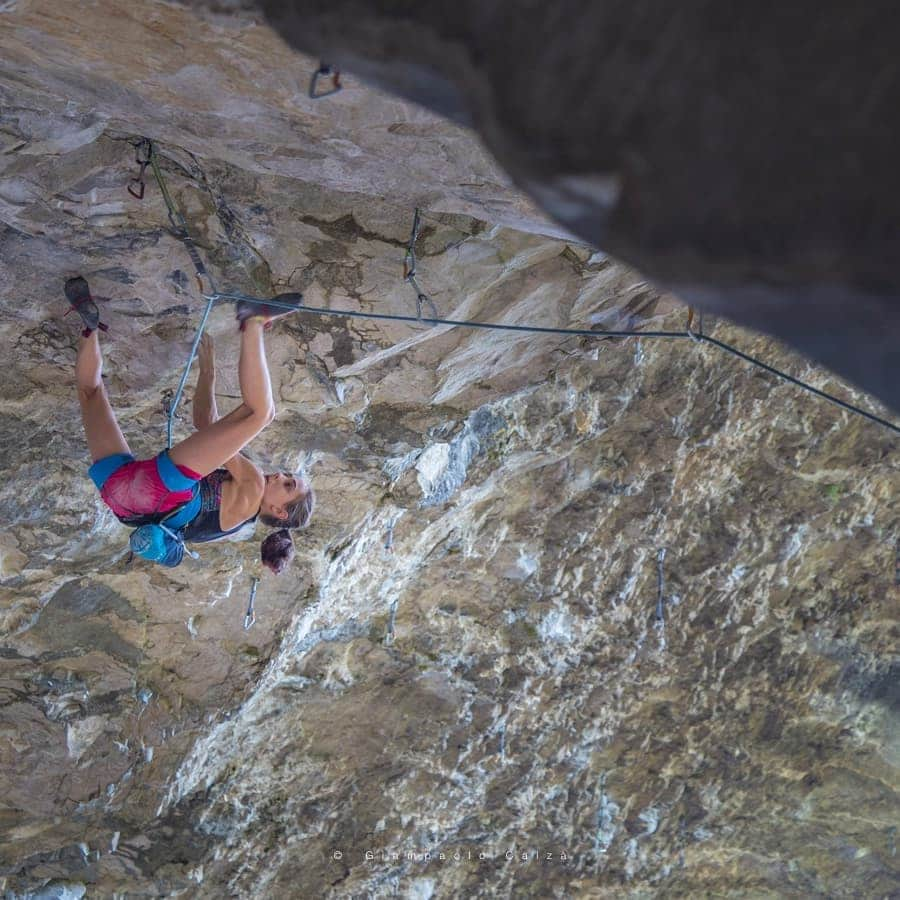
214,445
205,411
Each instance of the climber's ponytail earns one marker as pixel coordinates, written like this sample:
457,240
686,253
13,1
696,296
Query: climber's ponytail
277,551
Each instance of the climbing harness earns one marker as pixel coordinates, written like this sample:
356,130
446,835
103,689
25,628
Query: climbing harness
250,616
409,267
409,273
324,71
660,556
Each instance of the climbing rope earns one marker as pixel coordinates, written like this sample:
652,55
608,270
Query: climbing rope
181,230
180,226
462,323
175,400
146,156
587,332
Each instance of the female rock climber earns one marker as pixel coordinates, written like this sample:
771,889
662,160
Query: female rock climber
232,490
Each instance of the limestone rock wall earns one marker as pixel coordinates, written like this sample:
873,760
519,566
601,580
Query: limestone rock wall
471,654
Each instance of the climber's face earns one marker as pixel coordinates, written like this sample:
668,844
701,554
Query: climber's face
282,489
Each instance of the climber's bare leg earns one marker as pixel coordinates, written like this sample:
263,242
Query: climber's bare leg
214,445
100,426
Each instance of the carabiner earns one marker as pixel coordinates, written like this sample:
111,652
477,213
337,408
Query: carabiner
136,185
324,70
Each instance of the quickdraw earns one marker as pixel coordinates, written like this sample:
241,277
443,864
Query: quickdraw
166,400
324,71
660,599
698,334
143,152
409,274
250,616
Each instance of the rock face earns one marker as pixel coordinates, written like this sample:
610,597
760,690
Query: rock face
744,157
575,616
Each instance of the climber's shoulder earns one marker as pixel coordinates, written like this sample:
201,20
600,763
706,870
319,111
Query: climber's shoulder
248,479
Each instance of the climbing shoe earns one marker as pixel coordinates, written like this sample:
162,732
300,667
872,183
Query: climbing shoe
247,310
79,296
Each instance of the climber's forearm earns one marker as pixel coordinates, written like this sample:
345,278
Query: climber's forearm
205,411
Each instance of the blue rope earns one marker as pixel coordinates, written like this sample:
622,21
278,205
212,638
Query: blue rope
173,405
757,362
586,332
466,323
